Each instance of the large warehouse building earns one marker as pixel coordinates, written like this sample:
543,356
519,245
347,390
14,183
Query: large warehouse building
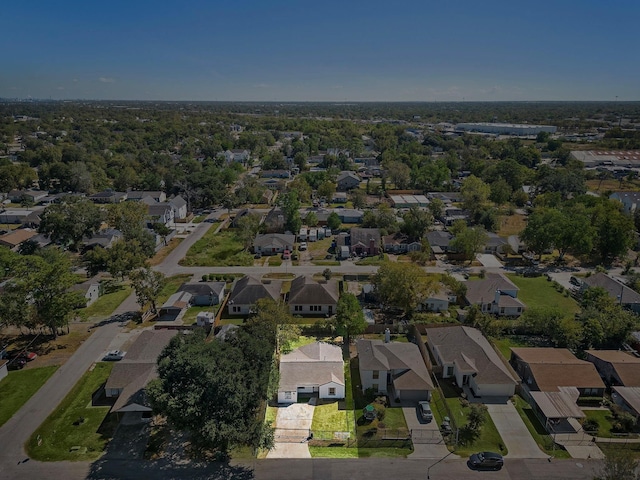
505,128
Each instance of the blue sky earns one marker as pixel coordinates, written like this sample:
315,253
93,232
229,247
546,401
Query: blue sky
349,50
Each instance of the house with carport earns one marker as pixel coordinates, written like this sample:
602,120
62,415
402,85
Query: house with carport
316,369
129,377
204,293
464,354
553,379
396,369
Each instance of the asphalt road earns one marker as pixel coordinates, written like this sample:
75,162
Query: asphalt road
14,463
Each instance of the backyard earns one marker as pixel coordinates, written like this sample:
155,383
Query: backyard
217,250
538,292
75,430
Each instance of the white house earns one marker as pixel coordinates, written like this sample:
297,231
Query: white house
438,301
495,294
465,355
179,206
315,369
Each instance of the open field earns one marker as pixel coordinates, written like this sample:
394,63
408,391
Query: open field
164,252
217,250
511,224
612,185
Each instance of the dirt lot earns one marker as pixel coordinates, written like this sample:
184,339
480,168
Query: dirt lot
50,351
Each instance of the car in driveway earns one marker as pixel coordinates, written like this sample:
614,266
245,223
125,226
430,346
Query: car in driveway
113,356
485,461
303,246
424,411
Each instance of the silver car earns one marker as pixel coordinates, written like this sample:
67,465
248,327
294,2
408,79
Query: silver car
424,410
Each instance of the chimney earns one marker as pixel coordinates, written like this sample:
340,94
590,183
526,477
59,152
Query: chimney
372,246
496,299
387,335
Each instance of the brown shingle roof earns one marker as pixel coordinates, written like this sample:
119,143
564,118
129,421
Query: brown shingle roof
248,290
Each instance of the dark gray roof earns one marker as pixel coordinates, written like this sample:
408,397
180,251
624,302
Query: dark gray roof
280,239
347,174
468,348
204,288
365,235
306,291
248,290
484,290
148,346
178,202
613,288
439,238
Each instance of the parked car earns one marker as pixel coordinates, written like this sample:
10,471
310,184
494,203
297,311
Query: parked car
257,255
574,281
486,461
286,255
27,356
303,246
424,409
113,356
16,364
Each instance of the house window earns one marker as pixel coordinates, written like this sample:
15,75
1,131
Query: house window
376,375
449,371
236,309
297,308
519,309
502,310
374,387
332,391
287,395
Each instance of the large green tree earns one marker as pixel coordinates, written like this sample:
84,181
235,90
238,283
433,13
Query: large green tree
70,220
469,241
349,317
147,284
402,285
214,390
40,285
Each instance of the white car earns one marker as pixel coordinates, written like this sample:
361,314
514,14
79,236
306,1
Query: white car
303,246
113,356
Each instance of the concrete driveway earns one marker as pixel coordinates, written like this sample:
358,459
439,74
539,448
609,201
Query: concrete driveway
293,424
488,260
514,432
427,439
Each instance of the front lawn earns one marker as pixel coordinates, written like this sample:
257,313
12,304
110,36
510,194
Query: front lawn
329,417
538,292
71,432
18,387
106,304
340,452
375,260
217,250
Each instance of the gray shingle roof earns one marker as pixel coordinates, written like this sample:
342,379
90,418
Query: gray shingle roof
468,348
484,290
314,364
248,290
377,355
613,288
279,239
306,291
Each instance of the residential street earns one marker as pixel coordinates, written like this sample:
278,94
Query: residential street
17,431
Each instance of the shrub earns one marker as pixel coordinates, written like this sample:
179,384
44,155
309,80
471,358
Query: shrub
590,425
205,278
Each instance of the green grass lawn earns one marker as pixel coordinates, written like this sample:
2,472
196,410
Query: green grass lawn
340,452
217,250
192,313
539,292
604,419
489,438
171,287
18,387
326,263
537,430
58,432
505,345
330,417
375,260
106,304
607,448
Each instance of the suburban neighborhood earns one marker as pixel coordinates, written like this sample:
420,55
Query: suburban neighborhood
434,293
